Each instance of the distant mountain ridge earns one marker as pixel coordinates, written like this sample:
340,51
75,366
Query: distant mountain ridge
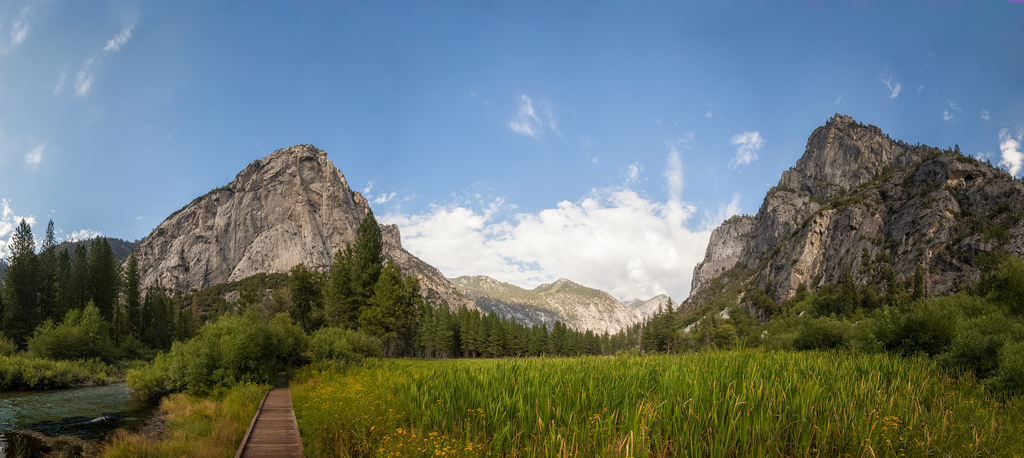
121,248
578,306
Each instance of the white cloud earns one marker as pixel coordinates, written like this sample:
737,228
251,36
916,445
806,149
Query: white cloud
114,44
84,234
85,78
920,87
749,144
615,240
946,116
985,115
9,221
894,88
35,156
711,221
1009,146
711,111
383,198
528,121
838,99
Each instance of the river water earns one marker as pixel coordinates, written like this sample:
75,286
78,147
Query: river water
76,416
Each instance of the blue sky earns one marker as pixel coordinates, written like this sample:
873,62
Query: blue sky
597,141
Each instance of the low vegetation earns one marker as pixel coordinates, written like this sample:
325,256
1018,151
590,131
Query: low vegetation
23,372
195,426
731,403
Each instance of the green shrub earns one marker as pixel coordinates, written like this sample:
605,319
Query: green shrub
822,334
342,345
922,327
1008,285
1009,378
27,373
7,346
244,348
83,334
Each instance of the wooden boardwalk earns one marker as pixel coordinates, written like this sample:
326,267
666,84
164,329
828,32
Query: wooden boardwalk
273,431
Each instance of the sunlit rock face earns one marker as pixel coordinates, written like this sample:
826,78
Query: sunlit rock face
862,201
293,206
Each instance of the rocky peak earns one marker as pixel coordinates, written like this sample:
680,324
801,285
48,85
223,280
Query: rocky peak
841,155
293,206
859,201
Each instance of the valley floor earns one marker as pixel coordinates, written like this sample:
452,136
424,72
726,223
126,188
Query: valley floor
735,403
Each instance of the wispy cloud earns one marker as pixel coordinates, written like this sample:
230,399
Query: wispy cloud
35,156
528,120
593,241
633,173
21,26
920,87
383,197
1009,146
985,115
894,87
749,143
711,111
949,114
114,44
61,82
838,99
85,78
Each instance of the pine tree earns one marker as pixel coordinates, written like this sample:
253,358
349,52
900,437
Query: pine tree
105,282
306,295
79,283
64,280
132,297
48,307
21,287
391,311
354,274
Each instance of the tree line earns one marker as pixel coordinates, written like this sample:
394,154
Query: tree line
44,287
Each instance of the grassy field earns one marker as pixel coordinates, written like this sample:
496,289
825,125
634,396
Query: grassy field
741,403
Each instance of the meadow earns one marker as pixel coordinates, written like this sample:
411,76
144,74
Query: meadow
734,403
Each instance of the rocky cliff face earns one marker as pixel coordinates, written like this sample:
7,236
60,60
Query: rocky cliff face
579,307
293,206
882,208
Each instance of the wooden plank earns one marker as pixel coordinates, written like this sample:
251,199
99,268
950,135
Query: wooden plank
273,431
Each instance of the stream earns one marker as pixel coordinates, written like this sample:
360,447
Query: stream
66,422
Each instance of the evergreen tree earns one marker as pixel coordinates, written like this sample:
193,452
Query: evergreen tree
79,283
48,307
307,295
354,274
391,311
21,287
105,282
158,323
132,298
65,299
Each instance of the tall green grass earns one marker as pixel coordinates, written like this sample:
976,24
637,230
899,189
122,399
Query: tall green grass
741,403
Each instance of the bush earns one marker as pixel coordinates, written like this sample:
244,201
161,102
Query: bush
342,345
26,373
7,346
822,334
1008,285
83,334
923,327
1009,378
245,348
